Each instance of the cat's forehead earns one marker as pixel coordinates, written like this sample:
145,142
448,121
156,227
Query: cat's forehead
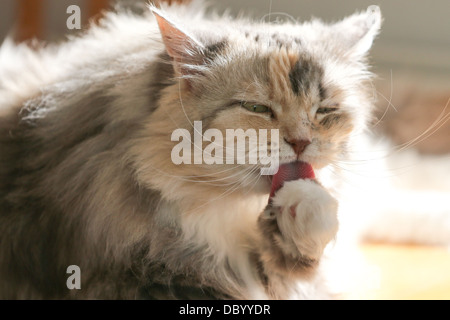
291,70
285,65
294,76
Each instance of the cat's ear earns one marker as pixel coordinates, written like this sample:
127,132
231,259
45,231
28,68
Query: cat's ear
358,31
184,49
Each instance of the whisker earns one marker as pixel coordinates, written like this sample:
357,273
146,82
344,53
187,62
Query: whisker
228,191
389,102
436,125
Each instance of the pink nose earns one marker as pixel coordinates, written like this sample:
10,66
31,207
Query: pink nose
298,145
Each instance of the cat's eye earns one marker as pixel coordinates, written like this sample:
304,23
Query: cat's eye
325,110
258,108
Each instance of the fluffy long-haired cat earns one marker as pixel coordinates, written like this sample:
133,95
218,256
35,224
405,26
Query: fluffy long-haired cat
87,177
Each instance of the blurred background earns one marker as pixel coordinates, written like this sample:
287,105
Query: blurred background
411,58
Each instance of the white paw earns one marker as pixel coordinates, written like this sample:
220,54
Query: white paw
307,218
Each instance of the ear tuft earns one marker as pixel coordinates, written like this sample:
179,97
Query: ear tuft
374,19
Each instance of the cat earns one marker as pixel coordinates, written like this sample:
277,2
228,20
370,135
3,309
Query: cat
86,176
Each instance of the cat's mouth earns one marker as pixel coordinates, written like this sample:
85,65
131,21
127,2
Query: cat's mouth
288,172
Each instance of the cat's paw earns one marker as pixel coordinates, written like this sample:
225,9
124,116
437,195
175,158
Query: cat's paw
306,215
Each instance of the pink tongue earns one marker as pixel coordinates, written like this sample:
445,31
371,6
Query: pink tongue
291,171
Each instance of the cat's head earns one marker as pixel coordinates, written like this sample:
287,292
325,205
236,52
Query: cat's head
309,81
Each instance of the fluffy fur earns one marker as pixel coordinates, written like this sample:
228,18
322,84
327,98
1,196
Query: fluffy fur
85,170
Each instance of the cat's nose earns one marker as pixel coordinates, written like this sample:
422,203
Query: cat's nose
299,145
